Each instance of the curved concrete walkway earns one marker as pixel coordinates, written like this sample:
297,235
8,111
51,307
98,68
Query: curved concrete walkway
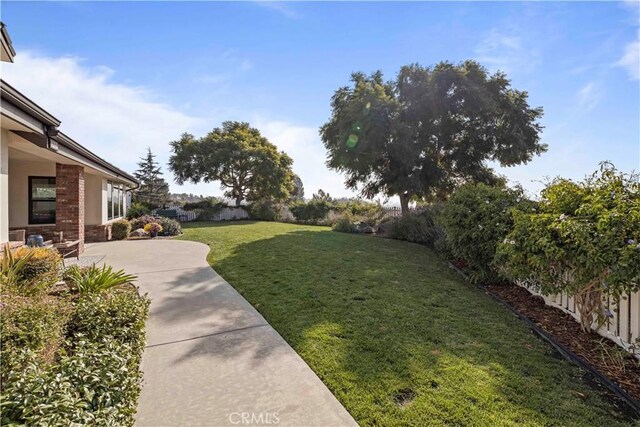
211,359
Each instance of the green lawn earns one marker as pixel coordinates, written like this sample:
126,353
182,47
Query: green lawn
377,319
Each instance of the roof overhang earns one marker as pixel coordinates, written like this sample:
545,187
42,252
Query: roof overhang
69,148
6,47
39,127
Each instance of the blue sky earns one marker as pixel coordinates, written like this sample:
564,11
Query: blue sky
123,76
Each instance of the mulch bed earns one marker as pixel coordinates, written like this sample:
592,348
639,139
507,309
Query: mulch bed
623,369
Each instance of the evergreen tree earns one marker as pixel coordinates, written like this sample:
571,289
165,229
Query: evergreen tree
153,190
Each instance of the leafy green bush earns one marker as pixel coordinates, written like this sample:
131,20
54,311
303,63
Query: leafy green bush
170,227
96,380
137,209
120,229
345,224
95,279
415,227
98,384
312,211
118,314
35,323
266,210
41,271
476,219
584,240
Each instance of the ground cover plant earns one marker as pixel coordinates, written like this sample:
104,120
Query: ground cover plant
395,335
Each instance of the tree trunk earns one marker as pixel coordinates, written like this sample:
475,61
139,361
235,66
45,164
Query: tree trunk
239,199
404,203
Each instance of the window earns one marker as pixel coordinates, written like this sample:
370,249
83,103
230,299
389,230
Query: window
109,200
115,205
42,200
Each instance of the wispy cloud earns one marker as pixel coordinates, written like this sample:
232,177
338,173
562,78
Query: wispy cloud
114,120
506,50
589,96
631,58
283,8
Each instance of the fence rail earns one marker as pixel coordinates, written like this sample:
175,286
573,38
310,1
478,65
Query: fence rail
623,327
225,214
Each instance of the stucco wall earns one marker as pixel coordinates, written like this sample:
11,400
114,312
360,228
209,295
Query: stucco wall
4,185
95,204
21,170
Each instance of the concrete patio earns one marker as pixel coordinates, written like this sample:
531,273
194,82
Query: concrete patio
211,358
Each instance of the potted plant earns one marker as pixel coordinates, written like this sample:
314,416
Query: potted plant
153,228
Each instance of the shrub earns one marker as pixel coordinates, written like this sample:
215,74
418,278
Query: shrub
11,267
266,210
98,384
140,222
137,209
120,314
42,269
34,323
120,229
584,240
95,279
312,211
476,219
170,227
415,227
345,224
95,381
153,228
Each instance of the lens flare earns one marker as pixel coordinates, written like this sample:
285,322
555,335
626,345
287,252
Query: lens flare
352,141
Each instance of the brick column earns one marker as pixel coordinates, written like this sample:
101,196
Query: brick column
70,202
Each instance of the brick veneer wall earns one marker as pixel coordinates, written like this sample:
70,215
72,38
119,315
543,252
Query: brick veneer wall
97,233
70,202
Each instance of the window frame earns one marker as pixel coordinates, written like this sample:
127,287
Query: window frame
115,201
31,200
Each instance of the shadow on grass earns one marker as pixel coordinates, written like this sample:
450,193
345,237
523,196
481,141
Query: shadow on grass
376,319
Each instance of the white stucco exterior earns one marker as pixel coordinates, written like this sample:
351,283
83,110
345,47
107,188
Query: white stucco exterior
4,185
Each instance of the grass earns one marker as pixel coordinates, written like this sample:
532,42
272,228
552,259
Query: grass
394,334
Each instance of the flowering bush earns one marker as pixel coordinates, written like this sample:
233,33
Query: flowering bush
476,219
170,227
141,221
584,240
153,228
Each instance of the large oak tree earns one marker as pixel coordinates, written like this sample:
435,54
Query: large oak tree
430,130
245,163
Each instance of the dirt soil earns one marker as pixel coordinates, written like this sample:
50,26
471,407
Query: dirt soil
602,354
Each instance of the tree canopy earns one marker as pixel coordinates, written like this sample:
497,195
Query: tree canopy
297,193
245,163
429,131
153,190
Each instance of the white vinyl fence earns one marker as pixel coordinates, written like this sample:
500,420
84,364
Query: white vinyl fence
623,328
226,214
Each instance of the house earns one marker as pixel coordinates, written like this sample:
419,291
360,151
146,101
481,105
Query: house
48,181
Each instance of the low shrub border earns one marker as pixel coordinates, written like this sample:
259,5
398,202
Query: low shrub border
72,356
632,403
